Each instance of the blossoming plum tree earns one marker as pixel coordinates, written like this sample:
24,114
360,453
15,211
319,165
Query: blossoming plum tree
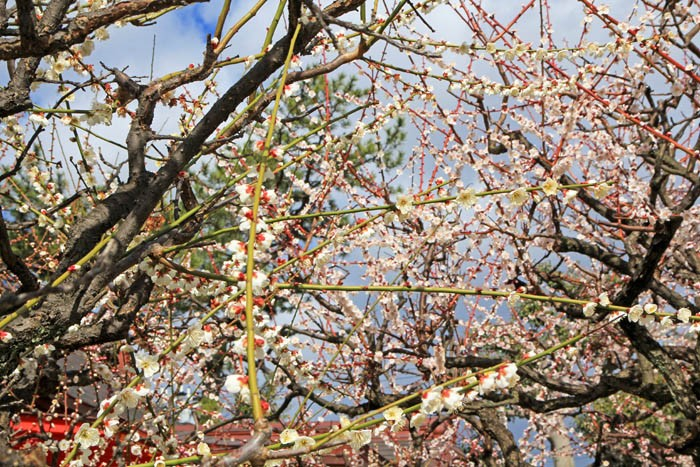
520,286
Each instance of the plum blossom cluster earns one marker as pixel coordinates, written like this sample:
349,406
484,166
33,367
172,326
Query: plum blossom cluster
518,89
647,314
46,189
238,385
162,276
644,315
355,438
589,308
47,192
453,399
505,377
522,49
127,398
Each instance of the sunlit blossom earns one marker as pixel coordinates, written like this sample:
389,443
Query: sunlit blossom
304,442
288,436
87,437
466,198
245,193
235,383
550,187
684,315
431,401
601,191
129,398
203,449
635,313
570,196
507,376
589,309
147,363
518,197
452,399
359,438
404,204
487,382
513,298
395,417
666,322
418,419
647,320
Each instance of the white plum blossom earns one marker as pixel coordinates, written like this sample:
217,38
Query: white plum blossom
404,204
635,313
259,282
87,437
507,376
466,198
39,119
245,193
570,196
487,382
101,34
43,350
130,396
359,438
197,336
304,442
238,249
390,217
550,187
417,419
435,400
666,322
289,436
112,405
111,426
601,191
677,88
431,401
684,315
147,363
452,399
100,113
395,417
589,309
203,449
647,319
513,298
236,383
240,346
518,197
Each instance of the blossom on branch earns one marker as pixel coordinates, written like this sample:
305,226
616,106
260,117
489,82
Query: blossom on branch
288,436
87,437
466,198
147,363
518,197
550,187
404,204
395,417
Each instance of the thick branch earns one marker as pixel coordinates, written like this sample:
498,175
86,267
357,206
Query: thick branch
14,263
49,42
